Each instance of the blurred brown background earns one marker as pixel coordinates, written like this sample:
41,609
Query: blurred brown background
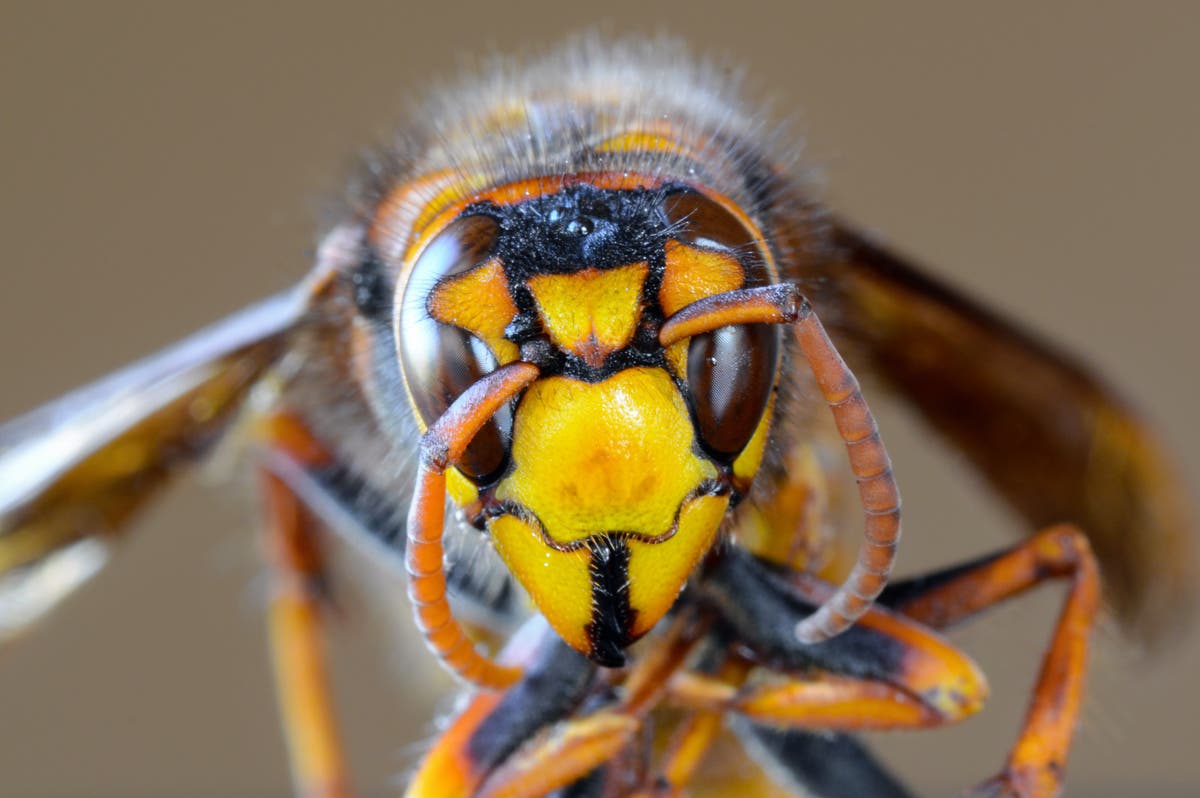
162,167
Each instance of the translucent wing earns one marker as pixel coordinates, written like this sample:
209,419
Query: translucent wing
73,471
1050,437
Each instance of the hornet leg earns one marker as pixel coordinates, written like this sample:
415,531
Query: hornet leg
298,600
1037,762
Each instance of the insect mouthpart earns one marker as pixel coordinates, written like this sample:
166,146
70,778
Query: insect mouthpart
607,479
608,505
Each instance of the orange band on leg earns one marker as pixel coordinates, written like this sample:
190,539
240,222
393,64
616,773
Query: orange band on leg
297,647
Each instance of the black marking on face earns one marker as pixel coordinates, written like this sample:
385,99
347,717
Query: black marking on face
612,615
577,368
578,227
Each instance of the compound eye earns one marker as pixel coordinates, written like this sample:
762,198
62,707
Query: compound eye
731,372
440,361
701,223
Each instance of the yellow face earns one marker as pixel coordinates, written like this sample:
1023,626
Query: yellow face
608,481
608,507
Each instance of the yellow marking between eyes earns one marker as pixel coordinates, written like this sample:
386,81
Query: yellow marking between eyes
591,313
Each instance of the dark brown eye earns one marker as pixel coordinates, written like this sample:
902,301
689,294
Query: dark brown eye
440,361
731,372
700,222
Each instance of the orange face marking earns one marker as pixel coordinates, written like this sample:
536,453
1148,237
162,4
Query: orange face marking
591,313
478,302
694,273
